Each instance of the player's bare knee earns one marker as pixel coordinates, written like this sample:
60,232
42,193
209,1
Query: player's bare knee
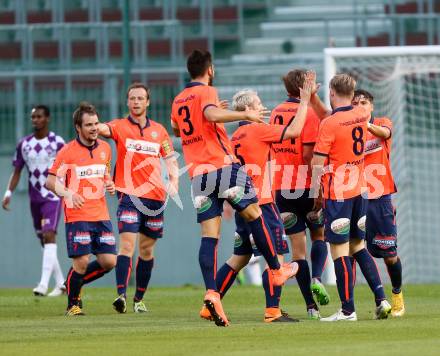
146,253
356,245
251,213
339,250
211,227
80,264
126,245
107,261
389,261
237,262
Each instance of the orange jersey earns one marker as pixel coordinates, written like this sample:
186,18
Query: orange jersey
206,146
83,169
341,138
293,172
377,152
252,143
138,170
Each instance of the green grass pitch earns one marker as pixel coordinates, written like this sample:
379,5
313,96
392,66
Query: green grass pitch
30,325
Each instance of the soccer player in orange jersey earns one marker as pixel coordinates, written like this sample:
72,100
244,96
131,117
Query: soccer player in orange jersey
80,175
252,144
340,147
141,143
292,187
216,175
381,234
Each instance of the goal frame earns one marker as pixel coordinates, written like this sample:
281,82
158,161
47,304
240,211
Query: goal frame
330,55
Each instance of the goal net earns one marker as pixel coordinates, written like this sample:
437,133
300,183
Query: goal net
405,83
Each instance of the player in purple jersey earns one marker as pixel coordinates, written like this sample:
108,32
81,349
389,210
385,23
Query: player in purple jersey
37,152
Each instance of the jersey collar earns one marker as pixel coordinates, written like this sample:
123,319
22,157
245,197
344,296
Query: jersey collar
90,148
242,123
342,108
193,84
291,99
371,119
134,122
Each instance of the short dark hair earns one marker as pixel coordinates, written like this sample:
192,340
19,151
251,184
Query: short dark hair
293,81
137,85
83,108
364,93
45,109
198,62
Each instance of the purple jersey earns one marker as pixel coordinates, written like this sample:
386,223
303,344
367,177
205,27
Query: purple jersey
38,155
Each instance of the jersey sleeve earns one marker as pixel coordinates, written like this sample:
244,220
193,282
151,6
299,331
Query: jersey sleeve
109,160
57,167
325,139
60,143
269,133
209,97
386,122
18,160
311,128
113,126
166,145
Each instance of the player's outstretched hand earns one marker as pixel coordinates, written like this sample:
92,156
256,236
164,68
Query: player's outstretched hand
5,203
110,187
308,86
311,74
257,115
224,104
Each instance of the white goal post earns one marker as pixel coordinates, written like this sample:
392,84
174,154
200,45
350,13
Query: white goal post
405,83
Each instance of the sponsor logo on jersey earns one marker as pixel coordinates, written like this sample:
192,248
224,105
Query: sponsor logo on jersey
102,155
142,146
166,147
154,134
107,238
238,241
233,195
45,222
202,203
361,223
129,217
82,237
91,171
374,145
340,226
154,224
289,220
384,242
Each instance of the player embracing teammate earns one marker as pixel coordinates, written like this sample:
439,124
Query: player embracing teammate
338,159
216,176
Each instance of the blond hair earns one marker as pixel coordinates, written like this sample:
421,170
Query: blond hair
343,84
243,98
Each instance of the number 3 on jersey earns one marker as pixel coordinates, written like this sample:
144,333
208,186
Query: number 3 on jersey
184,110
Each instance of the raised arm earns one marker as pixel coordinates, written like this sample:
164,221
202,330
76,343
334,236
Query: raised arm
296,126
104,130
380,131
218,115
12,184
320,108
